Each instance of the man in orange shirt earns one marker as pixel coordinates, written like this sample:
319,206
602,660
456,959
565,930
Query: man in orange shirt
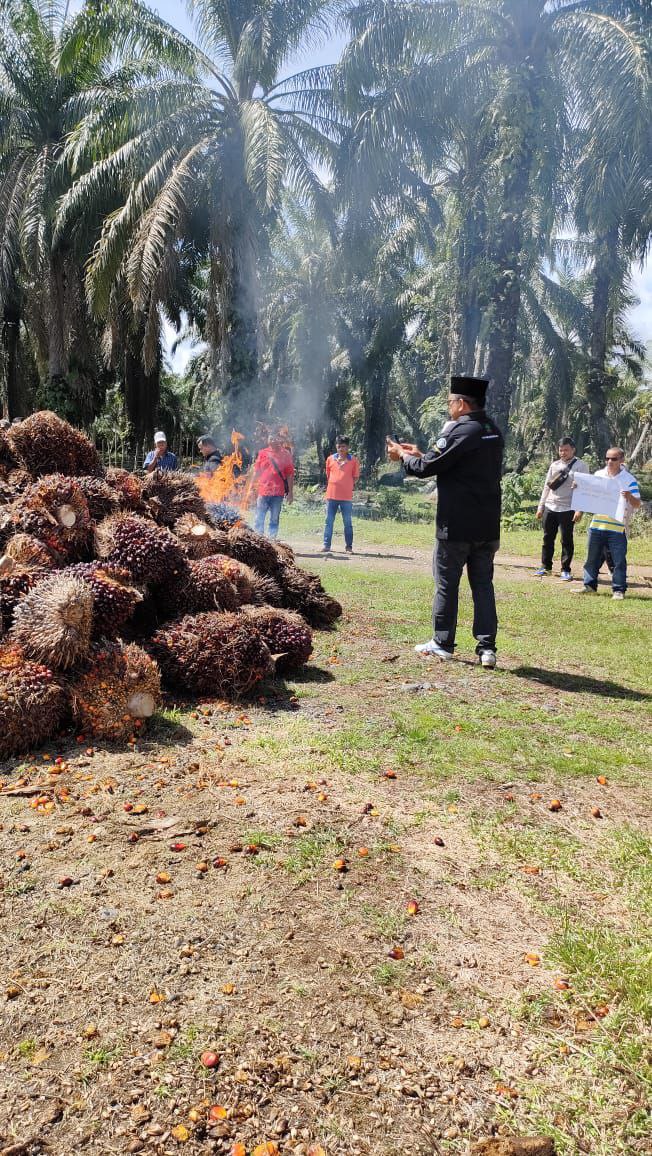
274,477
342,472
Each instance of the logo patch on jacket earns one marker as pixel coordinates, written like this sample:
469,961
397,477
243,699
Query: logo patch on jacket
441,443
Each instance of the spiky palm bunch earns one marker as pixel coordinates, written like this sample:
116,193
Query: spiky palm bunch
119,686
103,500
265,591
198,538
304,592
53,622
114,596
218,654
150,552
199,585
15,582
33,702
254,550
55,510
45,444
129,489
30,552
169,496
238,573
286,634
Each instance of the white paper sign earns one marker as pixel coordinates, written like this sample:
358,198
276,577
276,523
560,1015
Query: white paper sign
598,496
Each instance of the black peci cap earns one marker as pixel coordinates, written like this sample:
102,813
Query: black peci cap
473,387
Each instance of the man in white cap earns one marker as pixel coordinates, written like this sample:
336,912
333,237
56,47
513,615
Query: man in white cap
160,458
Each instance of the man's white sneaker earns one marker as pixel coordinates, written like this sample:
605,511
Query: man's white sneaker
565,576
583,590
617,595
488,659
432,649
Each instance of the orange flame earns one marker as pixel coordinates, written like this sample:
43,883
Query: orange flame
226,483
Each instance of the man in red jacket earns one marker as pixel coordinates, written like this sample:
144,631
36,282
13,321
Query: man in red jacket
274,477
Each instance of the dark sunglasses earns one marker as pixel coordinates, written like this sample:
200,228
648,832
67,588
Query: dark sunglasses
608,459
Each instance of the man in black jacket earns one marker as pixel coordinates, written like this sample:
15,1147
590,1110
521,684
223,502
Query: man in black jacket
210,453
467,461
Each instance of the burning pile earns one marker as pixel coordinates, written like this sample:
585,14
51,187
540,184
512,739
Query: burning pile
109,583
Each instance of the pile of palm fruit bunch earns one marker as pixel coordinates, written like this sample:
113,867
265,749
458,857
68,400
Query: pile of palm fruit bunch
112,584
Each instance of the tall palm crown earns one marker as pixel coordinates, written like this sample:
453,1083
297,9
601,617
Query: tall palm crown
41,84
217,145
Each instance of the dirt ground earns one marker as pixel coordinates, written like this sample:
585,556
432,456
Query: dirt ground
340,941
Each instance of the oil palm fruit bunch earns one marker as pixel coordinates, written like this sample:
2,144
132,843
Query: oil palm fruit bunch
114,596
199,586
284,553
198,539
45,444
218,654
170,495
101,497
148,551
15,582
31,552
128,488
285,633
33,702
119,686
256,551
53,622
265,591
8,459
304,592
55,510
238,573
7,493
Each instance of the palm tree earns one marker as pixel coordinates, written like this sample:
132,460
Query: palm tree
48,67
219,143
613,209
537,67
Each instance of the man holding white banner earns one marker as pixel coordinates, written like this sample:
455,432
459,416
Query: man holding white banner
612,495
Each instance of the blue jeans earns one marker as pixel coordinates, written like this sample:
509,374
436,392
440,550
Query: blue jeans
617,545
268,503
332,506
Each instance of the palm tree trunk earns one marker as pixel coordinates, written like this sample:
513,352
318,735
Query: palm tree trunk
640,444
601,333
466,313
376,418
506,297
141,389
57,357
14,402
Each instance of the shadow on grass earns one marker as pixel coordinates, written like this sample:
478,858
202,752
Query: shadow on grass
341,556
313,674
580,683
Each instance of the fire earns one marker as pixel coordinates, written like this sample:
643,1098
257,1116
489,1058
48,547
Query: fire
227,483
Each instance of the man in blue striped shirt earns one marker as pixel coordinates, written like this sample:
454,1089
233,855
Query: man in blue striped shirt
608,533
160,458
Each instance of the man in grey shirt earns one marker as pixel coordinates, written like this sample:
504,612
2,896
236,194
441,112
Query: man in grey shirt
555,509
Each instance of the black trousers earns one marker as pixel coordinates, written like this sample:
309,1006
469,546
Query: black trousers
554,520
448,562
